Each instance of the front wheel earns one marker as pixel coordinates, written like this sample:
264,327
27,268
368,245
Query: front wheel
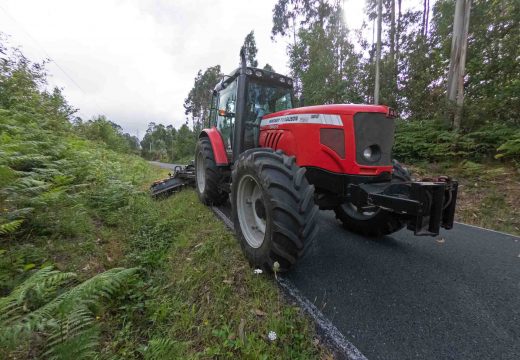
375,223
273,208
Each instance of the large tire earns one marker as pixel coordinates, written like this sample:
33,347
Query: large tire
378,223
273,208
207,175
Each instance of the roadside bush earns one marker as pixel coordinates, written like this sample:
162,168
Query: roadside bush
431,141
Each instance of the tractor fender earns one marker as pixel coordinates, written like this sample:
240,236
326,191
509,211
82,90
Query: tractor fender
217,144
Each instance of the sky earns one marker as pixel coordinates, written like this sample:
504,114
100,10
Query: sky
135,61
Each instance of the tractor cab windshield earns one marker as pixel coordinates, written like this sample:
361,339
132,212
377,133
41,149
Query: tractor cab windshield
262,99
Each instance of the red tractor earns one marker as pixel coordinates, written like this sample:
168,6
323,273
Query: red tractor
280,164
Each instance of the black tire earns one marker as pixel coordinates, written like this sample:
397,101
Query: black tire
209,193
382,222
286,202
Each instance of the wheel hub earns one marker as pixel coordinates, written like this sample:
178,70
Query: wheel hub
260,209
201,175
251,211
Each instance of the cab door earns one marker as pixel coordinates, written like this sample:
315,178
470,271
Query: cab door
225,114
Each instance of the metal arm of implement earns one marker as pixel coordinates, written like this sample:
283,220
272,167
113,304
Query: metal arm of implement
427,206
182,176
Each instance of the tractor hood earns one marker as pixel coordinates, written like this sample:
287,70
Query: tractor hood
342,138
338,109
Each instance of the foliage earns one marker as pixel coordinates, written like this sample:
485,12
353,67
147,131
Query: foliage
103,130
47,317
167,143
323,62
511,148
198,102
250,49
432,141
492,86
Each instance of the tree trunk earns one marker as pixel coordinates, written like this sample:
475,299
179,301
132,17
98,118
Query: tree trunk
423,18
457,120
378,50
397,42
455,88
392,30
427,18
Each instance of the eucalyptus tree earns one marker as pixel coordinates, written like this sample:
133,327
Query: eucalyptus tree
198,103
250,49
322,59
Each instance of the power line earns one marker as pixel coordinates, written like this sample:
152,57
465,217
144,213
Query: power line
48,56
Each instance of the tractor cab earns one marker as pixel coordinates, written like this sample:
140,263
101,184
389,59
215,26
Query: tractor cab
241,100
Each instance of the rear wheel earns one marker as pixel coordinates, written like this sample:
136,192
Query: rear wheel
207,175
273,208
375,223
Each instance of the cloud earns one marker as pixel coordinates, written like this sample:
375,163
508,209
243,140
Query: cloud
135,61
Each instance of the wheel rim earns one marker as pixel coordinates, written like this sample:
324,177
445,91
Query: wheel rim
353,212
201,174
251,211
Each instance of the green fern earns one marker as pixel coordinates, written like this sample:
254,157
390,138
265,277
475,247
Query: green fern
161,349
45,306
10,227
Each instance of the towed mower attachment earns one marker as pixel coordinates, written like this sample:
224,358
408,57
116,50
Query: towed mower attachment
182,176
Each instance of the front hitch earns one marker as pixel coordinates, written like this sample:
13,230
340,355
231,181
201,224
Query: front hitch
426,205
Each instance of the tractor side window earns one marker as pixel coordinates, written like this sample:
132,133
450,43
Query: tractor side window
226,113
213,111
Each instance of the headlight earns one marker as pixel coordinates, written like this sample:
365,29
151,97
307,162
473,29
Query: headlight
372,153
367,153
258,73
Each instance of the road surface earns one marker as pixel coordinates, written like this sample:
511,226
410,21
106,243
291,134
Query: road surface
165,165
454,296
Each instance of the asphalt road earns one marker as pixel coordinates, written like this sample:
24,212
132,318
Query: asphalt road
455,296
164,165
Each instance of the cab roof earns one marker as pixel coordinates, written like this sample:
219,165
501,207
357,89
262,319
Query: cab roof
256,73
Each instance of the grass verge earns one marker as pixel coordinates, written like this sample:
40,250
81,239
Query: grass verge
195,297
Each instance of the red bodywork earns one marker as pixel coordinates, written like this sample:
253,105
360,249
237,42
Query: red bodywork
303,140
219,150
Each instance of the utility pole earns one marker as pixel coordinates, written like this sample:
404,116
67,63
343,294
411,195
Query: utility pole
378,50
459,45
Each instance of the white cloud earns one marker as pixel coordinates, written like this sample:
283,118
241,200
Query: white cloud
135,61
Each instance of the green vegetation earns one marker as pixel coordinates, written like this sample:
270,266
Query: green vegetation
431,141
167,144
91,266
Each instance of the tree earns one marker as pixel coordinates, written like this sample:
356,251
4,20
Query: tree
250,49
322,59
198,102
268,67
491,86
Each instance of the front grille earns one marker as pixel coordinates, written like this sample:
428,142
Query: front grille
374,129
